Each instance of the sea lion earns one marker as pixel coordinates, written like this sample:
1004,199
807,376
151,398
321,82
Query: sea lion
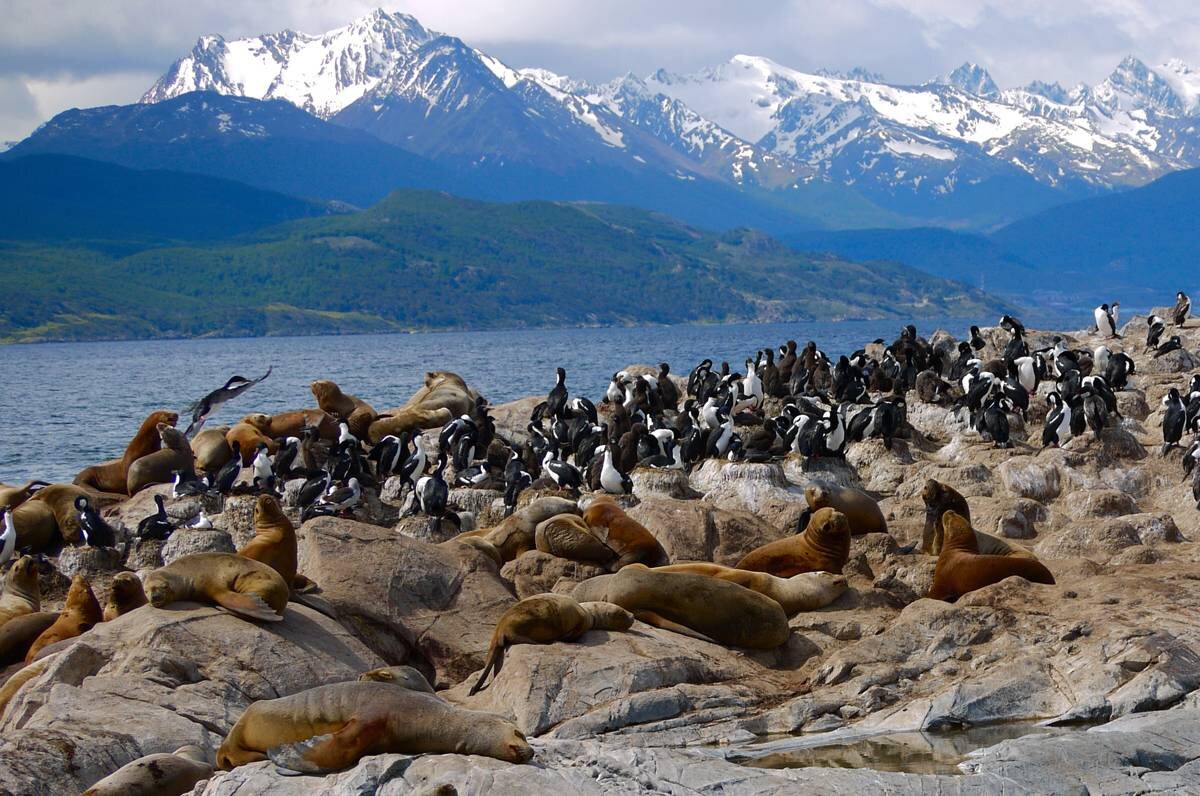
961,568
61,500
544,619
240,585
79,615
13,496
356,412
627,537
211,450
824,545
940,498
807,591
443,396
19,633
159,467
292,424
331,727
274,542
22,594
480,544
568,536
112,476
37,527
861,510
515,534
248,437
402,676
126,594
20,677
157,775
695,605
397,421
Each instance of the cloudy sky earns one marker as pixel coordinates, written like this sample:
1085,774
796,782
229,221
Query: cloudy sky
77,53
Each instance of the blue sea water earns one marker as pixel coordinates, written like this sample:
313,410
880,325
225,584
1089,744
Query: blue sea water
65,406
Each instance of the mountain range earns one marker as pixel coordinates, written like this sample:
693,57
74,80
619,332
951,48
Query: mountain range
748,141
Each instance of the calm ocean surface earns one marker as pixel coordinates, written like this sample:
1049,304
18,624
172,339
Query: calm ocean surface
67,405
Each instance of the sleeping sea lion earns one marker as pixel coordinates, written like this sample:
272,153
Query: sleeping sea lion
627,537
292,424
157,775
22,594
331,727
159,467
961,568
568,536
80,614
37,527
238,584
707,608
807,591
211,450
13,496
402,676
126,594
61,500
515,534
824,546
248,438
113,476
861,510
442,397
19,633
544,619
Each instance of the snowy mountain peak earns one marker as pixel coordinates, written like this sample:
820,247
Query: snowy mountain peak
1134,86
1051,91
973,79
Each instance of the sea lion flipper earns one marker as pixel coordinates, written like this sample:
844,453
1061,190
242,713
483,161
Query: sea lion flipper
323,754
314,602
250,606
651,618
290,760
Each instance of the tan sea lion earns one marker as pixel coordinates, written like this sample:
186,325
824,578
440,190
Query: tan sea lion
824,546
126,594
274,542
292,424
113,476
515,534
961,568
545,619
356,412
248,437
61,500
568,536
37,527
13,496
20,677
939,498
411,419
331,727
861,510
157,775
79,615
443,396
159,467
19,633
627,537
402,676
807,591
238,584
695,605
22,594
480,544
211,450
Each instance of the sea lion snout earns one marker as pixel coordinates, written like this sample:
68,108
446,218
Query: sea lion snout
519,750
158,592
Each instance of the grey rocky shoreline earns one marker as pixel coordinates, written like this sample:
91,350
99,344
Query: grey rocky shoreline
1111,650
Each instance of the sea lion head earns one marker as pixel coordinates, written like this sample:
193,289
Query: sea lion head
23,574
958,533
158,589
817,496
126,590
608,616
493,736
828,523
268,511
259,420
163,416
403,676
192,752
931,493
828,582
171,437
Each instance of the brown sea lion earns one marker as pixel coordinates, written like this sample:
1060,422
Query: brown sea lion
545,619
113,476
22,594
292,424
79,615
861,510
331,727
480,544
159,467
940,498
248,437
274,542
443,396
61,500
568,536
707,608
13,496
357,413
807,591
211,449
961,568
36,525
19,633
515,534
238,584
125,595
157,775
627,537
402,676
824,546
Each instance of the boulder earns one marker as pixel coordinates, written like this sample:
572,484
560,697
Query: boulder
536,572
186,541
691,530
1024,477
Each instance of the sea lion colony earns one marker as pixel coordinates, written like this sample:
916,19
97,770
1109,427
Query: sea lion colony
565,484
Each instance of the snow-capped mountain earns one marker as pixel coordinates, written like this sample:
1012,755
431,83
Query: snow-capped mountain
749,122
